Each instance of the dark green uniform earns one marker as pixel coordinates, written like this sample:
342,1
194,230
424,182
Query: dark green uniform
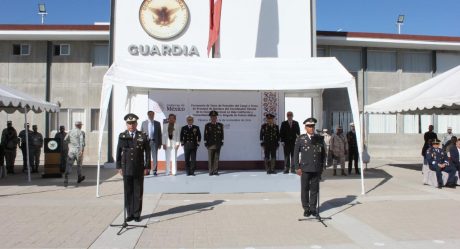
10,144
269,139
133,157
213,140
312,156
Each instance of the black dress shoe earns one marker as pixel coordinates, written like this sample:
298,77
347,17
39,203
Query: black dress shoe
129,218
314,213
155,173
450,185
211,174
216,174
306,213
137,219
286,172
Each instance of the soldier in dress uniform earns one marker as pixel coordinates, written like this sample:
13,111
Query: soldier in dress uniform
289,132
353,153
75,139
10,144
64,148
37,144
133,158
190,138
438,161
269,140
310,147
213,140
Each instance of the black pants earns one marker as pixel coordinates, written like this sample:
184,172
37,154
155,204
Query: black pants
289,156
63,162
134,189
10,157
31,159
353,155
270,157
309,183
190,159
448,169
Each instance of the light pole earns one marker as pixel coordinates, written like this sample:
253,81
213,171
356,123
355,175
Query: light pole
400,22
42,11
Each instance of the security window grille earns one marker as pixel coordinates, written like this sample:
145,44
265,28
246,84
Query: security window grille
61,49
21,49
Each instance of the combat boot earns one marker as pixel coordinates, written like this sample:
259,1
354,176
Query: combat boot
272,166
266,166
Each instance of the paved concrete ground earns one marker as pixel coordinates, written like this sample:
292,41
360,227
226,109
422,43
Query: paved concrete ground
396,212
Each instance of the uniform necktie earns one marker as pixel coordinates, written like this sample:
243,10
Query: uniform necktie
132,135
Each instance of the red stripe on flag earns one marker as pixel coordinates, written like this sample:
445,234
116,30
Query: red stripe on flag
214,22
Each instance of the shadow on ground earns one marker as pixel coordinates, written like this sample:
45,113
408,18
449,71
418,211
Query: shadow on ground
185,210
411,166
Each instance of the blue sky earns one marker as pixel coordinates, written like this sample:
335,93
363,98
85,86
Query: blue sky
423,17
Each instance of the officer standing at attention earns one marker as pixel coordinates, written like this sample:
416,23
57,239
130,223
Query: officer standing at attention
10,144
64,148
289,132
37,144
133,158
75,139
269,138
190,138
310,147
23,145
213,140
438,162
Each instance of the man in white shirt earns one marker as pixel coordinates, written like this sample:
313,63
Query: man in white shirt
171,142
152,128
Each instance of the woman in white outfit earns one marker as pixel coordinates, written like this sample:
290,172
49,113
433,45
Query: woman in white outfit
171,142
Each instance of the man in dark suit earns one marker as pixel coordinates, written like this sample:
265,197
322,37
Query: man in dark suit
310,147
455,156
152,128
213,140
289,132
353,153
133,158
269,140
190,138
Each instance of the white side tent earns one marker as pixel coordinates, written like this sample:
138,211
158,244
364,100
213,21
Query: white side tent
12,100
257,74
436,95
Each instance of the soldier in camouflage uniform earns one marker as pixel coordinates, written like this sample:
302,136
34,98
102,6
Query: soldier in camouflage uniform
75,139
213,140
37,144
269,140
10,144
310,147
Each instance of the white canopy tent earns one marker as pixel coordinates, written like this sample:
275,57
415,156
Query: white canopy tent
258,74
12,100
436,95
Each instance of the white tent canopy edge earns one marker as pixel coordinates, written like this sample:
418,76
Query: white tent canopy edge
436,95
256,74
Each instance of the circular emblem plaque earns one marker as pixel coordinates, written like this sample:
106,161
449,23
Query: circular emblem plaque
163,19
52,145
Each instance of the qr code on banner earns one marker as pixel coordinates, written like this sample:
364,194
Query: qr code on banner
269,103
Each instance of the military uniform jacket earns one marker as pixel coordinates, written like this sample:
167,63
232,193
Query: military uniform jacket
9,139
435,156
311,151
289,134
190,136
133,155
352,143
269,135
37,139
75,139
22,136
214,134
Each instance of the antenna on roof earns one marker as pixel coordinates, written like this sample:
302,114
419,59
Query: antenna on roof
42,11
400,22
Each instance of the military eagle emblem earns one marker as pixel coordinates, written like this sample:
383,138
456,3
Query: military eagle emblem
163,16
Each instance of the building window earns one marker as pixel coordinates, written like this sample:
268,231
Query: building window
381,61
67,118
445,121
350,58
410,125
21,49
382,123
61,49
95,119
416,62
101,55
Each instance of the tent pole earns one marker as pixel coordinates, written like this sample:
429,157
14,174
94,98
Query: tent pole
26,129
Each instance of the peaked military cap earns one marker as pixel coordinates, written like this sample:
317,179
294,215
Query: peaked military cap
213,113
131,117
352,124
310,121
436,141
61,127
269,115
